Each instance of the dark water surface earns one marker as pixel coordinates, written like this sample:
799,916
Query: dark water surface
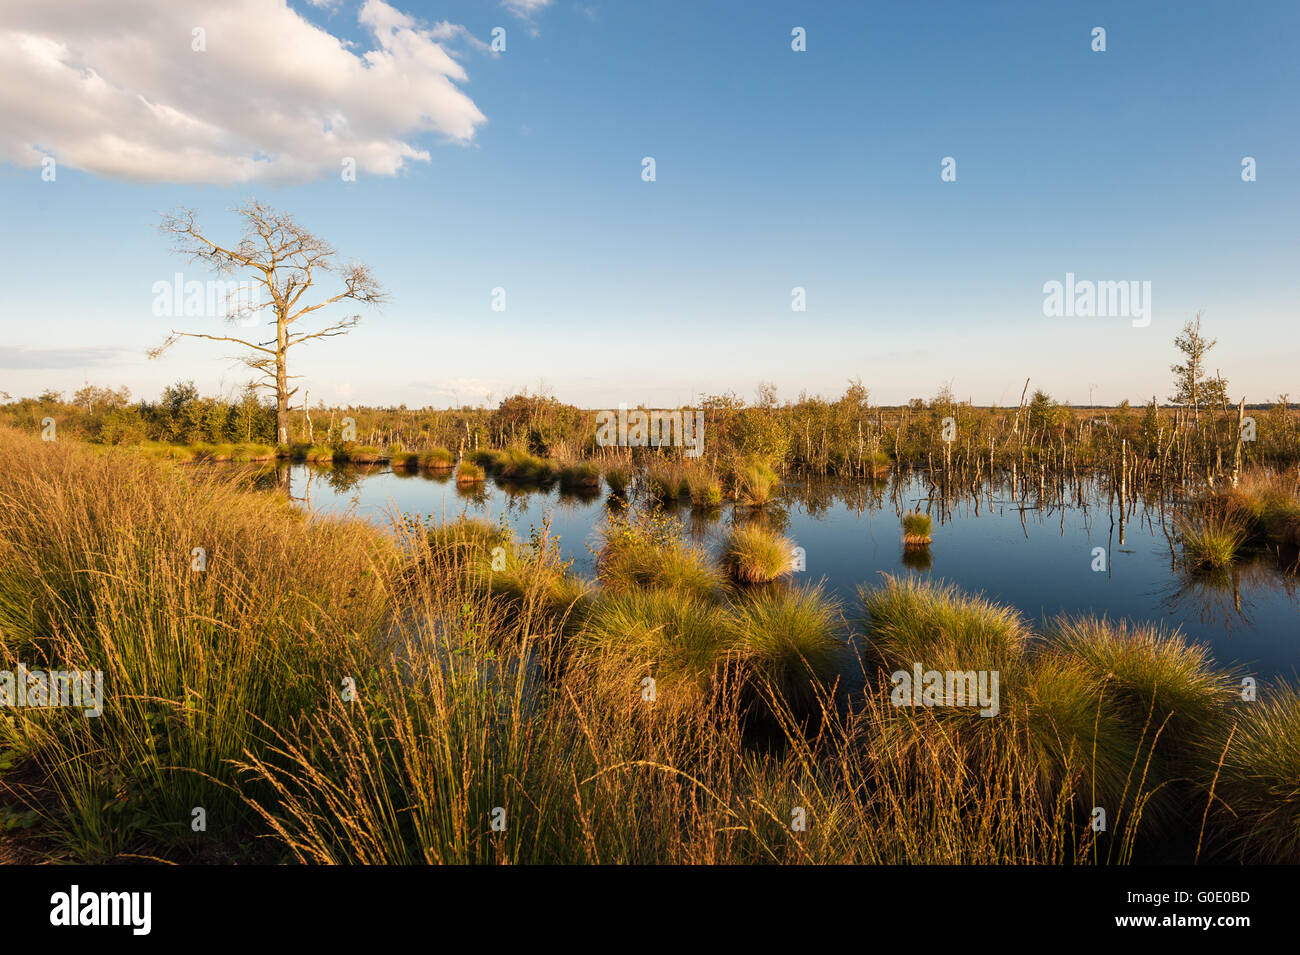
1039,558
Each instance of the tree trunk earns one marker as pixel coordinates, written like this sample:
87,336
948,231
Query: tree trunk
282,423
1236,452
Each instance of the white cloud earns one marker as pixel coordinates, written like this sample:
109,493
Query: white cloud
443,31
117,90
56,358
525,9
459,391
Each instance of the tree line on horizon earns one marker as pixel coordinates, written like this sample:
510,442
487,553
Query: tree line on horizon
847,435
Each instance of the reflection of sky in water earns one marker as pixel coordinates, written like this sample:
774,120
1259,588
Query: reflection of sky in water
851,534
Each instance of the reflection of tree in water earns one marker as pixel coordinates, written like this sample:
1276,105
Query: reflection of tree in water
344,479
701,522
1221,597
269,476
578,495
773,517
1213,598
475,495
817,497
516,494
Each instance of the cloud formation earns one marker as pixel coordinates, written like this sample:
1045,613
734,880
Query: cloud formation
42,359
525,8
119,90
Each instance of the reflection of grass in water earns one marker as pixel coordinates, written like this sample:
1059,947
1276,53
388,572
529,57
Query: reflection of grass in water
701,520
437,477
918,558
584,495
343,480
473,493
1221,596
774,518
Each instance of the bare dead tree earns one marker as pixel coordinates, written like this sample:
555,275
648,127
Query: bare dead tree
287,261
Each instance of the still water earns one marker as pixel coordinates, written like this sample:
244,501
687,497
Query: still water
1044,558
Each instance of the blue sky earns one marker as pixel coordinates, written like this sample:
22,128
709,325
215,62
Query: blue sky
774,169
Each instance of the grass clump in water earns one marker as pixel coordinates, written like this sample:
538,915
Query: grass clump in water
580,476
704,489
468,473
753,483
520,466
677,638
1266,503
650,551
437,459
916,529
792,641
910,620
249,452
1212,538
753,554
666,482
619,478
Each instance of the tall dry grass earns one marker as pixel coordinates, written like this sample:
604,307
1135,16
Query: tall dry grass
97,558
484,724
